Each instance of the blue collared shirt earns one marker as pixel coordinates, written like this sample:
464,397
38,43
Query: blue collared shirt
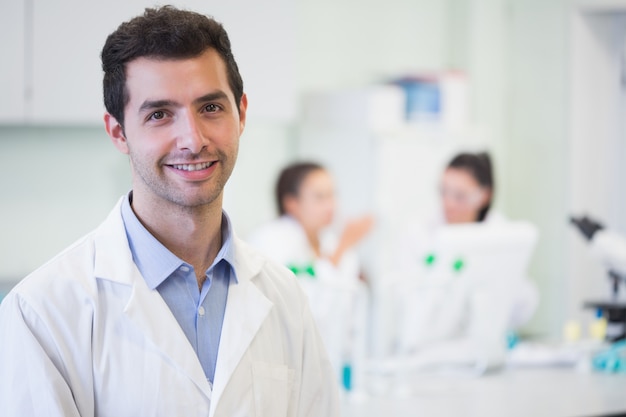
200,313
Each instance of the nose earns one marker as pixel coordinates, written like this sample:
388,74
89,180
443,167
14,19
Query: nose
191,136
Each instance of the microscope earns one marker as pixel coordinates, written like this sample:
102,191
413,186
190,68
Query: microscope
610,248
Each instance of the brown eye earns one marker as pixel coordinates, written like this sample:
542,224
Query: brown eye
157,115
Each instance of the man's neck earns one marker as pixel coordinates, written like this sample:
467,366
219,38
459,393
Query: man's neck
191,233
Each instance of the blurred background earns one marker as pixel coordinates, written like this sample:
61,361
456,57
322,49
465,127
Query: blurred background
359,86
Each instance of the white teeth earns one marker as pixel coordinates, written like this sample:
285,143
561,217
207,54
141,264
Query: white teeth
193,167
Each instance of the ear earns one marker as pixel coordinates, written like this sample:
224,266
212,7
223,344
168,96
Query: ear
116,133
486,196
243,108
290,203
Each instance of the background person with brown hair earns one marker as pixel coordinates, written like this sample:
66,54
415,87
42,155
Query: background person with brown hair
305,239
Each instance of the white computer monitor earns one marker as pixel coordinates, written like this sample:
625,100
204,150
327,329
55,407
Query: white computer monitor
459,309
485,252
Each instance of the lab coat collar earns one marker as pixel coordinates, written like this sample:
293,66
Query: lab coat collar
156,262
246,306
145,308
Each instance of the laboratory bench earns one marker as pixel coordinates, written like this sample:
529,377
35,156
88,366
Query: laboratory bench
522,392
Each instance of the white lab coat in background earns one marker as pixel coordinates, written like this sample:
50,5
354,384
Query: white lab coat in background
337,297
85,336
453,322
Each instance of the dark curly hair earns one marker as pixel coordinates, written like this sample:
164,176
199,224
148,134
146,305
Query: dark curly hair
162,33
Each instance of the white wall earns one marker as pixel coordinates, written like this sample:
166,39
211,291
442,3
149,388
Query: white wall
352,42
248,197
56,184
536,143
54,69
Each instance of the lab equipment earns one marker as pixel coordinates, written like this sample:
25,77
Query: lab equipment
607,245
612,359
597,328
615,314
440,97
610,248
423,98
488,253
467,296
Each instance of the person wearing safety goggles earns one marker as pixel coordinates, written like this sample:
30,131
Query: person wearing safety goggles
466,192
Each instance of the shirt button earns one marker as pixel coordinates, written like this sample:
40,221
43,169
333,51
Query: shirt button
201,311
184,268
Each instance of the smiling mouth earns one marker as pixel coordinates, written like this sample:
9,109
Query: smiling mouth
193,167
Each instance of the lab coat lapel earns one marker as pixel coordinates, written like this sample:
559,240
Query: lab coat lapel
145,308
160,327
246,310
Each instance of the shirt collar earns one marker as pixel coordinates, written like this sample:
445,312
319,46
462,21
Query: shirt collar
155,262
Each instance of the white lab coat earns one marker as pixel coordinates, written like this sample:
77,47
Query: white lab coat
454,322
85,336
337,297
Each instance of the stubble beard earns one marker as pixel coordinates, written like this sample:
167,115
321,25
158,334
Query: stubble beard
162,187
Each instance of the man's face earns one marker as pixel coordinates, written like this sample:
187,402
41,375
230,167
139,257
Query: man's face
182,129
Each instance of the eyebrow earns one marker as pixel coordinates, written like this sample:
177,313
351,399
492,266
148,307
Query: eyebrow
154,104
216,95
